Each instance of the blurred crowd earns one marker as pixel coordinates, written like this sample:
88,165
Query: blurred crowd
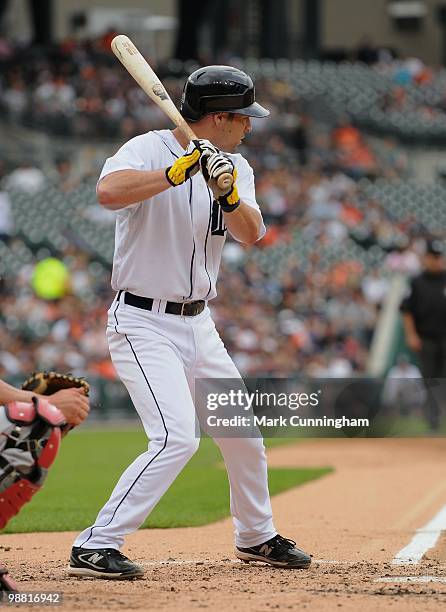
314,317
40,330
316,323
78,88
414,87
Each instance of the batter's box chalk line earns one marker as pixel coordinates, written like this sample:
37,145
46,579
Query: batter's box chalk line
424,539
188,562
167,562
412,579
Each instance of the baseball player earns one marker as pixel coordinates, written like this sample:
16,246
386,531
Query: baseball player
171,225
29,444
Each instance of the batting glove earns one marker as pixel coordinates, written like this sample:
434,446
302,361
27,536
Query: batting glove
216,165
188,164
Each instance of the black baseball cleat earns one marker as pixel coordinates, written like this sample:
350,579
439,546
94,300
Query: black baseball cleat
102,563
278,551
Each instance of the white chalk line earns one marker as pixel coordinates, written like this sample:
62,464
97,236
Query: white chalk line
185,562
412,579
424,539
200,562
209,562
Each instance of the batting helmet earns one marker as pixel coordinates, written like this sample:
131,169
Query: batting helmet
214,89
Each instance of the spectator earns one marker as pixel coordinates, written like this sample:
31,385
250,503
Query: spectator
367,52
403,259
6,221
26,178
375,287
403,388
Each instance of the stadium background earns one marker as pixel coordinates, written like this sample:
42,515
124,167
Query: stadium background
350,181
350,178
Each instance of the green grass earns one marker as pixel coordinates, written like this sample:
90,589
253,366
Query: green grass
90,462
407,427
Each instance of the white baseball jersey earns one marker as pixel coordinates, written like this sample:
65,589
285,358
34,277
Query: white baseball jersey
169,246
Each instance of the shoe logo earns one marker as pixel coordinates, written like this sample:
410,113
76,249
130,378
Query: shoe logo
265,550
92,559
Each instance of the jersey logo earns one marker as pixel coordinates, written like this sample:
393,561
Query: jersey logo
218,227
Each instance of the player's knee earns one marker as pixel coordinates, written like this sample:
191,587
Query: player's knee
186,446
254,446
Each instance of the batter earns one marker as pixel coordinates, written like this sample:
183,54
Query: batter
171,224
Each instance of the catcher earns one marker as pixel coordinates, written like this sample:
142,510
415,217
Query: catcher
32,421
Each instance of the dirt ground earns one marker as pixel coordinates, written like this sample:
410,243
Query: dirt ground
353,521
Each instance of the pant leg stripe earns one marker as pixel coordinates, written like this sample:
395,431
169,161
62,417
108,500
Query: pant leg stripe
151,460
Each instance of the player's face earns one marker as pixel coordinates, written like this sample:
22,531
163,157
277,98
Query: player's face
232,130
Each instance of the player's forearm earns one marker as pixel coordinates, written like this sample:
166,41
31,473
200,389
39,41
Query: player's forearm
244,223
8,393
124,187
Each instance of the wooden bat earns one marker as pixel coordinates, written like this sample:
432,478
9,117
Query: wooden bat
136,65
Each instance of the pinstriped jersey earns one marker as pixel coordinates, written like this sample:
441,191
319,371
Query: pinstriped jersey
169,247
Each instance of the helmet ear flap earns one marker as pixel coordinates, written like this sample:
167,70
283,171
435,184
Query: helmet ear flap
190,103
188,112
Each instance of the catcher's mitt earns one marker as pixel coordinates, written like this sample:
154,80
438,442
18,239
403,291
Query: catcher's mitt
47,383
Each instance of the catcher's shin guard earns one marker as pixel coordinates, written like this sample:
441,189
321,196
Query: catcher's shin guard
15,496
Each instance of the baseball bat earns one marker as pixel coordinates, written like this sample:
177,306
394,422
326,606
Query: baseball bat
137,66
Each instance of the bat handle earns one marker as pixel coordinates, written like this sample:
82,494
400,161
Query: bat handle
225,181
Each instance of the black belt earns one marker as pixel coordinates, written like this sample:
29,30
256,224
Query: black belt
186,309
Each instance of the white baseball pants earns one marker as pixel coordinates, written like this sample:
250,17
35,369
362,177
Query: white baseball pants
158,356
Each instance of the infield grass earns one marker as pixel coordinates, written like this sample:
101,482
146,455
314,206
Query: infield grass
91,461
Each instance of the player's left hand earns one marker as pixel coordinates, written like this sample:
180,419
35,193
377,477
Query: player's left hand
188,164
216,165
68,393
73,404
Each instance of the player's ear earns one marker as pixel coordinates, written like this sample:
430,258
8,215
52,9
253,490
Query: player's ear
218,118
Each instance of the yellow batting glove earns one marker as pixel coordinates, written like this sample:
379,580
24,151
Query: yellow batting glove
230,201
217,165
184,167
189,164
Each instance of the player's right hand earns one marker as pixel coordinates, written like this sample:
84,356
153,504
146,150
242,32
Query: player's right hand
217,165
188,164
